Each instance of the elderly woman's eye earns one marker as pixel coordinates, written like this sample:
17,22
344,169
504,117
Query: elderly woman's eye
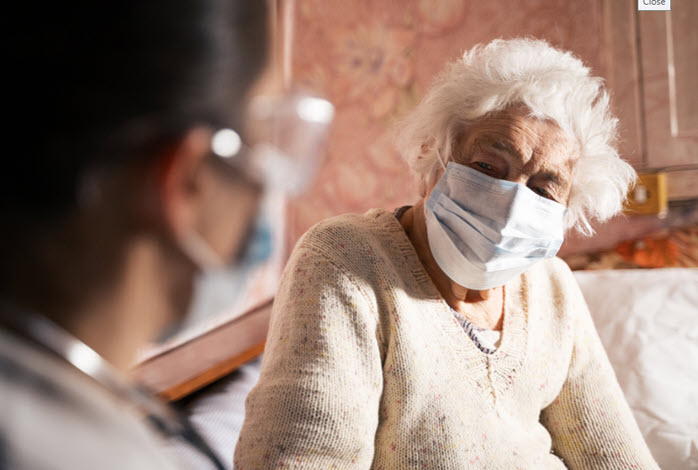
485,166
542,192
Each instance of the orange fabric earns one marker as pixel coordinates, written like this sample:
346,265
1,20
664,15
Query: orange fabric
674,247
650,253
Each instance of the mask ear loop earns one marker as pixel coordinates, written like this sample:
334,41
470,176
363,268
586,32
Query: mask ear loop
440,158
198,250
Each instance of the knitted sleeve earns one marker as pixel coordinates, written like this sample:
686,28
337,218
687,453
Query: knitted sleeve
316,403
591,424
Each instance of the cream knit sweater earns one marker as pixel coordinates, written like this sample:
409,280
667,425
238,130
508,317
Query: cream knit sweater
366,367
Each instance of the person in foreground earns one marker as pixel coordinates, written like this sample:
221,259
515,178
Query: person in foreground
115,196
446,335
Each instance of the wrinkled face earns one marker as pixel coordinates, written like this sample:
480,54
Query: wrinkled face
514,147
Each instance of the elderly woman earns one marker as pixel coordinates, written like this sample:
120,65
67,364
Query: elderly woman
446,335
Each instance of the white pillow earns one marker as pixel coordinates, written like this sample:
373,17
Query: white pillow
648,322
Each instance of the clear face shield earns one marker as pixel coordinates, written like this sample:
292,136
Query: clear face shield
288,135
292,131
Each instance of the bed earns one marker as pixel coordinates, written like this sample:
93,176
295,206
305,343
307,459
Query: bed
648,321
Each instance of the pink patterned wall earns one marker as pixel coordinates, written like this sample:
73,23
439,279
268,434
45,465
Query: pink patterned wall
374,60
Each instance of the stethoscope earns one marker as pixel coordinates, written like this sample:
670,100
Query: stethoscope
166,420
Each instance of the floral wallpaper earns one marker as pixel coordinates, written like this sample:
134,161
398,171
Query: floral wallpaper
375,59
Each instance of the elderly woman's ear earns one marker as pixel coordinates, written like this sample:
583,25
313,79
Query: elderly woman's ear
425,182
427,146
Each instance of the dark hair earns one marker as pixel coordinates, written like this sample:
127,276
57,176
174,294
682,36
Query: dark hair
92,83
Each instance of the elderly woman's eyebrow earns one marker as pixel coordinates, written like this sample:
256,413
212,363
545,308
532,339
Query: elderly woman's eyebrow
553,177
505,147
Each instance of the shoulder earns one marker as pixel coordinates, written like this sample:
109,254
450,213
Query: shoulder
553,280
349,253
349,228
555,273
351,238
46,395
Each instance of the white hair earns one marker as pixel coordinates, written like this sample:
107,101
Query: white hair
552,84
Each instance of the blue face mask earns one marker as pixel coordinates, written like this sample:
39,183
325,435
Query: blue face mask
484,231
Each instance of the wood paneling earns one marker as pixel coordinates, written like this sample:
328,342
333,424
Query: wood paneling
682,185
620,28
669,73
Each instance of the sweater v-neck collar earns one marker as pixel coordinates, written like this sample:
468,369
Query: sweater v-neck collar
495,372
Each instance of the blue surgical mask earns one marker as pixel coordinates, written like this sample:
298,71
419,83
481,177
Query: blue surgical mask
484,231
